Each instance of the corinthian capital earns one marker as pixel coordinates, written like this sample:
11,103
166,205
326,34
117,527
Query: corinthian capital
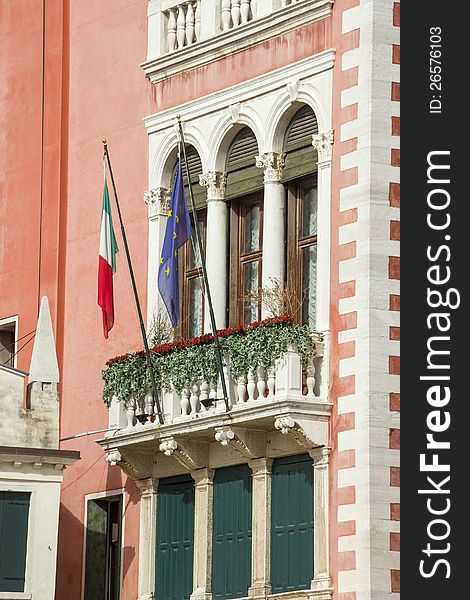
272,163
215,182
158,201
323,142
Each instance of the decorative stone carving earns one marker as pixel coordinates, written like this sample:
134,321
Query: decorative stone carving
288,426
113,457
250,444
158,202
293,89
323,142
234,110
215,182
272,163
189,454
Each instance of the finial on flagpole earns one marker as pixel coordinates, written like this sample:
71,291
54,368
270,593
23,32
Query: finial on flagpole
104,141
178,118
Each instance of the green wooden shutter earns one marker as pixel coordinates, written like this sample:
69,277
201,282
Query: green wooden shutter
195,169
231,538
96,550
301,156
14,513
243,176
175,538
292,524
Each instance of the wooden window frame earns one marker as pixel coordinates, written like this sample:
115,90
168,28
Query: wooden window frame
236,260
295,243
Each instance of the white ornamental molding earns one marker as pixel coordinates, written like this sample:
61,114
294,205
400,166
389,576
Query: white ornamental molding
215,182
250,444
234,111
272,163
323,144
189,454
158,202
293,89
113,457
288,426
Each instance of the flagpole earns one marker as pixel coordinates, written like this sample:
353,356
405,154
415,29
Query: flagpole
204,271
134,287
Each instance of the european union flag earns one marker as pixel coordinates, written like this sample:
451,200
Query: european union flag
178,231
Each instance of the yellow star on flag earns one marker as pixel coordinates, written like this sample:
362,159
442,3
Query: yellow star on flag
174,235
167,270
177,219
161,260
169,212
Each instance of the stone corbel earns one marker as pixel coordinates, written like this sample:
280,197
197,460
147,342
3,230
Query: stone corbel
234,110
289,426
250,444
191,455
136,465
293,89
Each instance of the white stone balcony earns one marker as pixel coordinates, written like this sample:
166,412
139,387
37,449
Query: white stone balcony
183,35
284,400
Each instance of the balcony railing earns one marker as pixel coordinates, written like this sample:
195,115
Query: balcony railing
287,378
213,26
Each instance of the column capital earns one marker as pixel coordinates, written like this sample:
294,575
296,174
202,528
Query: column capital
215,182
320,456
202,477
261,466
158,201
323,143
272,163
147,487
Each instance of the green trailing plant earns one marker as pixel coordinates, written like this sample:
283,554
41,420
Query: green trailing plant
179,364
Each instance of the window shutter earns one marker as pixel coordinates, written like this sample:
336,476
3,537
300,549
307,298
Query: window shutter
195,169
301,157
292,524
96,549
231,539
14,513
243,176
175,538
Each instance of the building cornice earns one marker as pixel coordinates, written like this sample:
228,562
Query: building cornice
235,40
263,84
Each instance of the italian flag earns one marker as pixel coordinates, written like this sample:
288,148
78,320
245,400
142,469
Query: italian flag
107,263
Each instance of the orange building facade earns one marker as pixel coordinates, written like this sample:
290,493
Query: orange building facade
76,72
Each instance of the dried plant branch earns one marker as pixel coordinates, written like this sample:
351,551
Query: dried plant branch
277,298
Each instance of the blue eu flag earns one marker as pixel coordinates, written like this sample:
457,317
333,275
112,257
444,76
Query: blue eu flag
178,231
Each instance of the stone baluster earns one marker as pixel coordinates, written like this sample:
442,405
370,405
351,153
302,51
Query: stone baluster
204,395
194,399
190,24
235,12
251,386
241,389
261,383
171,32
245,10
213,391
149,405
197,20
180,27
185,401
271,383
226,16
130,413
310,380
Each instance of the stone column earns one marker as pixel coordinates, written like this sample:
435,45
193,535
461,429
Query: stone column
202,565
274,230
323,143
321,577
216,245
158,202
261,528
147,538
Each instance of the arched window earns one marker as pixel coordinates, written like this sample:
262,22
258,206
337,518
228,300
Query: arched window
245,192
300,177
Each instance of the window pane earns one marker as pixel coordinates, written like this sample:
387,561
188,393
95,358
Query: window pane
14,515
194,259
309,285
250,286
251,226
309,212
195,306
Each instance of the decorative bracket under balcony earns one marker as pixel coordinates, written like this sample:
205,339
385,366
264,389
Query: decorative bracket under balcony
192,455
136,464
250,444
298,430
